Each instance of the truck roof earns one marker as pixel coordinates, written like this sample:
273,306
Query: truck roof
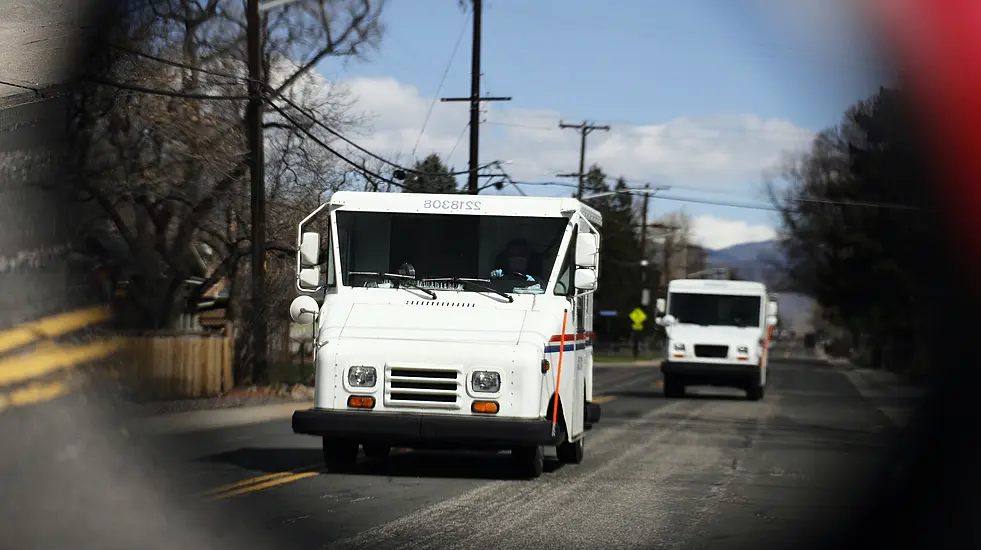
475,205
715,285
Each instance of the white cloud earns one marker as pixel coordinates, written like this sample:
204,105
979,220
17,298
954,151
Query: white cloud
717,233
714,150
720,151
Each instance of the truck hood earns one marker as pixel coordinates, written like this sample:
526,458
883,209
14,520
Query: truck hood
440,322
697,334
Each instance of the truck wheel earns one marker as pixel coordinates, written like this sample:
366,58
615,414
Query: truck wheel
755,392
340,455
376,450
571,453
529,462
673,389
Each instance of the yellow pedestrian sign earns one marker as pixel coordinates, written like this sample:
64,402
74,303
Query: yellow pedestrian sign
638,317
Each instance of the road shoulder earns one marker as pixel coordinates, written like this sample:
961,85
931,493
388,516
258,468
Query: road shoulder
891,396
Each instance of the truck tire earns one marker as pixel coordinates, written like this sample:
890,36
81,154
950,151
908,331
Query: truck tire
528,462
672,388
340,455
376,450
755,392
571,453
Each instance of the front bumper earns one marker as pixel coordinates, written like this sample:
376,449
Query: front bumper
415,430
711,371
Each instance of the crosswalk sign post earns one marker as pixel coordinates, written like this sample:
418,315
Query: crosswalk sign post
638,317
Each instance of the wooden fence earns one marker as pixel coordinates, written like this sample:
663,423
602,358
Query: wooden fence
179,365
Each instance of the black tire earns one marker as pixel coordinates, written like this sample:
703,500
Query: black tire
571,453
529,462
673,389
376,450
755,392
340,455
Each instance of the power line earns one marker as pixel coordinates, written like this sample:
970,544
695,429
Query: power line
330,149
446,71
335,133
167,93
637,192
173,63
458,140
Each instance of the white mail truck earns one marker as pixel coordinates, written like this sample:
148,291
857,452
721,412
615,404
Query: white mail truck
449,322
718,334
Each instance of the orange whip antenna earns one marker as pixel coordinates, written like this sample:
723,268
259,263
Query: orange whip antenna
558,376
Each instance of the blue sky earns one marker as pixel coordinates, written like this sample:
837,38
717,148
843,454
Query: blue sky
626,63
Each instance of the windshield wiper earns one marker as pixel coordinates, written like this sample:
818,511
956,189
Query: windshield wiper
476,283
403,279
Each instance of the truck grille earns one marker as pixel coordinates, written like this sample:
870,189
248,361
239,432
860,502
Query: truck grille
419,386
711,352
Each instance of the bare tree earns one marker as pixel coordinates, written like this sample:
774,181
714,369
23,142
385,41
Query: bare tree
162,135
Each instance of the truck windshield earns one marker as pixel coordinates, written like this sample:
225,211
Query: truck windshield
715,309
505,253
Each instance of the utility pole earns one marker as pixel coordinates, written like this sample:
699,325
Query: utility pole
475,100
253,117
645,293
584,130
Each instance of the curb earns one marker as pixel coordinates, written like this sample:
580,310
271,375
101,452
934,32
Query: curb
212,419
33,95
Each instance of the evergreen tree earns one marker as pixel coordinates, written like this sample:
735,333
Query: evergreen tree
430,176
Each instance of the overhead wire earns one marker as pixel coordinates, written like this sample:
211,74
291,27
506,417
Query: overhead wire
446,71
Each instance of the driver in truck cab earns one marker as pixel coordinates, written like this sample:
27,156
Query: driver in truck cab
517,258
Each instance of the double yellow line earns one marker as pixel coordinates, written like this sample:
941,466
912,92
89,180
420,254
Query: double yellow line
254,484
48,357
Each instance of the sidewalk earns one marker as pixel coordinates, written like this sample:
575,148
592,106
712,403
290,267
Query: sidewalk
193,421
884,390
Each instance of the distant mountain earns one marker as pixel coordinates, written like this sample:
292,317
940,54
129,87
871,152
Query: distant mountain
760,261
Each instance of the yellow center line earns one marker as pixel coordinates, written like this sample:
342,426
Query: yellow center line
603,399
272,483
255,480
52,359
33,394
50,327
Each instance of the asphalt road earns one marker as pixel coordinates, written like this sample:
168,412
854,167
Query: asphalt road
710,470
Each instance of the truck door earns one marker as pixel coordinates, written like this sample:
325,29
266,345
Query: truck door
573,365
578,406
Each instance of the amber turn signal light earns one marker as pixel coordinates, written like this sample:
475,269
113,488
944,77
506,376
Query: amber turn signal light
545,366
361,402
485,407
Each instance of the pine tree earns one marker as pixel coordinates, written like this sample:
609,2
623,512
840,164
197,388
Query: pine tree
430,176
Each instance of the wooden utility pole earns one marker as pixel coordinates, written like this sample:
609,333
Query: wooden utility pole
253,118
475,100
584,130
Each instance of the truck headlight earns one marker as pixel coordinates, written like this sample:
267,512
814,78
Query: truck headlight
361,377
678,347
485,381
742,350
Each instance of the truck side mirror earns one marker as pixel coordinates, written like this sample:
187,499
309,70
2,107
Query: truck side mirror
304,310
587,250
659,305
310,278
585,279
771,320
309,249
771,308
